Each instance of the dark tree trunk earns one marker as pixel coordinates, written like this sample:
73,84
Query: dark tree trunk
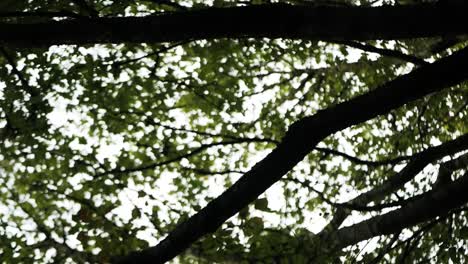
270,21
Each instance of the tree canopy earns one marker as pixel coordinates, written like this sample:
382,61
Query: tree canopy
145,131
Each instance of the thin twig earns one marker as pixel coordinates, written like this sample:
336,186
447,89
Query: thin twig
361,161
384,52
168,161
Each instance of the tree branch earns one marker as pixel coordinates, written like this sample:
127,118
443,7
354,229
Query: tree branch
385,249
384,52
118,116
155,53
41,227
207,172
447,168
434,203
171,160
269,21
25,84
361,161
396,181
300,139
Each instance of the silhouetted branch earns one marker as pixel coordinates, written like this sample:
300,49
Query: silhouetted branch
29,89
161,50
384,52
259,21
361,161
418,162
431,204
154,165
211,172
301,138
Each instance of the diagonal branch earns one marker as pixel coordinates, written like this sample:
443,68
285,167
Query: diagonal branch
433,203
361,161
385,249
25,84
384,52
300,139
396,181
447,168
41,227
413,168
343,208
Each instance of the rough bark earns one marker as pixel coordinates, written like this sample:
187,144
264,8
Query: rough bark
270,21
300,139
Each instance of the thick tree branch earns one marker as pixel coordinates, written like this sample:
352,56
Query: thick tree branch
432,204
447,168
300,139
446,43
396,181
413,168
270,21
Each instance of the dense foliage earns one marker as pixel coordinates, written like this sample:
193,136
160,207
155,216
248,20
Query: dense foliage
105,148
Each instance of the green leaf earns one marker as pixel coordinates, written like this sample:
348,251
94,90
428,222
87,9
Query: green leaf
136,213
254,225
262,204
464,232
